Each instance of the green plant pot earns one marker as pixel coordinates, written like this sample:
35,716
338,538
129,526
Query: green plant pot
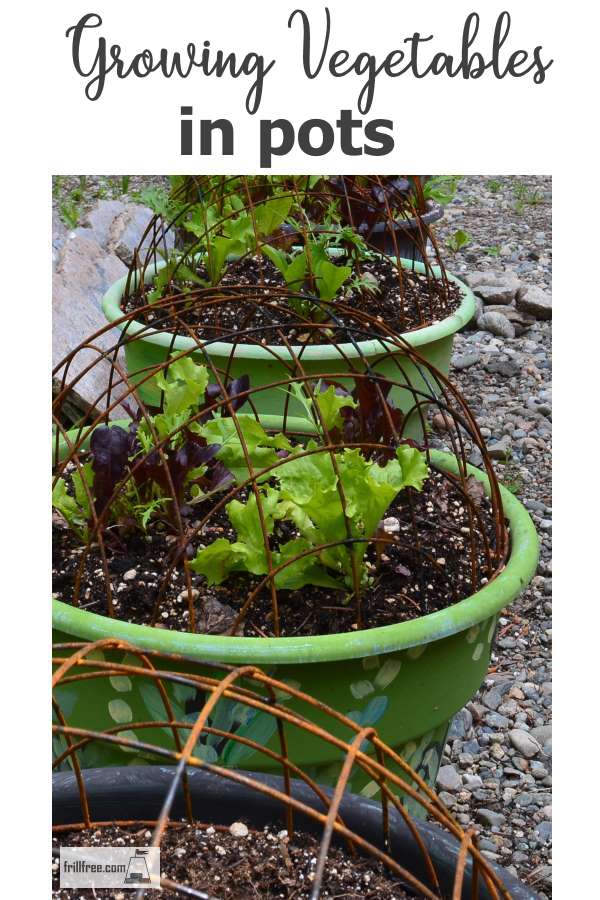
269,364
408,679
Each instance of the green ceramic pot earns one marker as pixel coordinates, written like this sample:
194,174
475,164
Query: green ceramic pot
265,365
407,679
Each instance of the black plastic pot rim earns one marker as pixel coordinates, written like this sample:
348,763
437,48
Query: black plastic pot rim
433,214
138,792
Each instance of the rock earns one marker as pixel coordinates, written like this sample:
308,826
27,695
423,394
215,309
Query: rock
472,782
536,301
391,525
96,224
216,617
543,832
497,721
183,597
127,230
524,743
471,747
500,449
461,725
490,818
542,733
59,236
466,360
447,799
442,422
499,288
496,324
475,457
495,295
119,228
83,273
448,779
509,708
488,847
493,697
514,315
508,368
238,829
537,405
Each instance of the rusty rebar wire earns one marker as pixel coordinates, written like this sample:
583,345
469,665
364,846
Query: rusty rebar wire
424,390
251,687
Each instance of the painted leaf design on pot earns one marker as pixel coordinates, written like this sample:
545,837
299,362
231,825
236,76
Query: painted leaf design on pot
120,711
260,728
388,672
372,712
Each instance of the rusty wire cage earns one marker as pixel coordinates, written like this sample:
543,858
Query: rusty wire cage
366,239
195,787
185,491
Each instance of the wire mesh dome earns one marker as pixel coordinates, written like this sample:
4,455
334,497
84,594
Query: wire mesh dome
220,828
349,505
364,239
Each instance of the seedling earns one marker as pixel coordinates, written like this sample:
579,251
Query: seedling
458,240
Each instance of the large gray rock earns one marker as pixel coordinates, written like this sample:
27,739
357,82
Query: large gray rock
497,324
120,227
96,224
83,273
494,288
514,315
535,301
59,236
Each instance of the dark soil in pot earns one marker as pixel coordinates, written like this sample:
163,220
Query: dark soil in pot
408,581
421,301
261,864
136,794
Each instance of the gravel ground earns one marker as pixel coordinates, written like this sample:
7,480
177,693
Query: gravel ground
504,777
497,770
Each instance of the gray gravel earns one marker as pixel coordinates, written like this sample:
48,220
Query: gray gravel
504,736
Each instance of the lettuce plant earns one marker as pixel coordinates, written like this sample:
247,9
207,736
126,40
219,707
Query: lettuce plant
304,493
128,474
319,507
220,237
311,269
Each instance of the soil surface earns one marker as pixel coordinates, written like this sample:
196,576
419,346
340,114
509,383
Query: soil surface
257,864
421,563
404,300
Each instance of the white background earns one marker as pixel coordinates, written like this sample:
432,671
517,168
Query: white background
442,125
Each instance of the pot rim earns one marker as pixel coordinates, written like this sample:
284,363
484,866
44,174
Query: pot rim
473,610
111,306
434,212
142,790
